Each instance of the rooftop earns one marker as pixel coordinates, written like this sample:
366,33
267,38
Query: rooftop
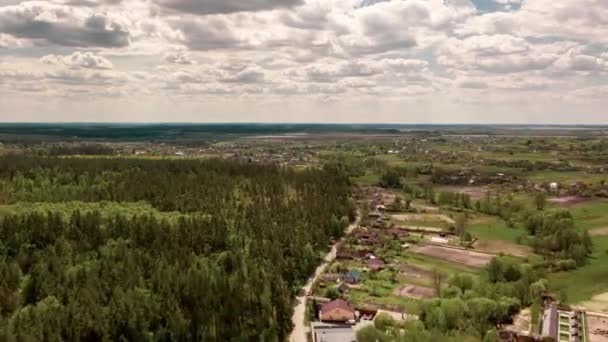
337,304
333,333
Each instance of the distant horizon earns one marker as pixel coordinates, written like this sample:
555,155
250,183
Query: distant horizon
202,123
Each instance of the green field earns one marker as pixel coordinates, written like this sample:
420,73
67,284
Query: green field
569,177
591,214
586,281
495,229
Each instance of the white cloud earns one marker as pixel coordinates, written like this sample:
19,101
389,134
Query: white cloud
429,56
79,59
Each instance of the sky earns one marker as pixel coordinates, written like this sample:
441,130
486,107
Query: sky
335,61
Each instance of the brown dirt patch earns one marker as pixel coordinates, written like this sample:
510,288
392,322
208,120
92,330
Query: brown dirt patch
498,246
568,201
411,271
423,217
460,256
416,292
598,328
476,192
599,231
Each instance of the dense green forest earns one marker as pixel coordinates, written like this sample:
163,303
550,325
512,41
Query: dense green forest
223,267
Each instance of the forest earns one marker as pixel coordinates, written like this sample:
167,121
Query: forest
224,266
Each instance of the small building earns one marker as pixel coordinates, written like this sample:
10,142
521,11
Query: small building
397,233
553,186
353,277
331,277
337,311
322,332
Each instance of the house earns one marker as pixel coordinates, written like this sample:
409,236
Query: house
323,332
375,214
353,277
376,265
337,311
396,233
344,254
367,237
331,277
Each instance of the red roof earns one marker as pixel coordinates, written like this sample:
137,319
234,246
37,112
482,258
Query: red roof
337,304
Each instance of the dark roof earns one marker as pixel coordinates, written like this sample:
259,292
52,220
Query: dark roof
337,304
355,273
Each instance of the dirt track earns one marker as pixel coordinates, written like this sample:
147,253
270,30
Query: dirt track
416,292
465,257
300,329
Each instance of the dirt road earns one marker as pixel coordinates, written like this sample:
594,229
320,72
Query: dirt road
300,329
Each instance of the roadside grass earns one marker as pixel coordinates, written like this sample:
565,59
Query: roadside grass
588,280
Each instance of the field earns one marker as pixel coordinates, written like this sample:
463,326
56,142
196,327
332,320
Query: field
413,291
589,280
489,228
493,246
468,258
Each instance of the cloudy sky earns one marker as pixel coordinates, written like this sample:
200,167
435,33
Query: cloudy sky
408,61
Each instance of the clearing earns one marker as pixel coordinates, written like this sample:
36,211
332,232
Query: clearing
410,271
597,303
460,256
499,246
430,218
588,280
416,292
475,192
599,231
568,201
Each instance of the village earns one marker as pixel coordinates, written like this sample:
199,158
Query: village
401,254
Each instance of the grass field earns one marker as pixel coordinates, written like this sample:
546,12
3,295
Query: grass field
368,179
591,215
564,177
491,228
586,281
